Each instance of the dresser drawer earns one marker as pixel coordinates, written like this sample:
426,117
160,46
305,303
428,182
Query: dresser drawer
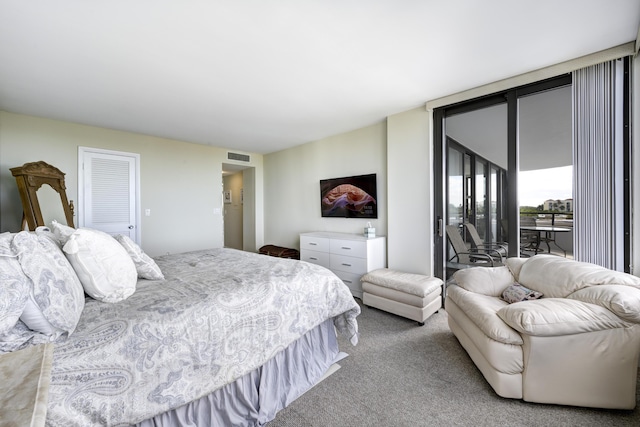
320,244
315,257
349,247
348,264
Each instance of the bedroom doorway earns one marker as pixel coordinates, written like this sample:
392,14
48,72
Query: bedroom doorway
233,206
239,207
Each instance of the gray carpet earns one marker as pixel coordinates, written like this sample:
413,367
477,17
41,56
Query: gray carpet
401,374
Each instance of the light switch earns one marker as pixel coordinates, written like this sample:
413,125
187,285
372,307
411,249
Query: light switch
147,212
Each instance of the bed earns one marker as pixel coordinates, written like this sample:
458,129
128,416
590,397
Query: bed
226,338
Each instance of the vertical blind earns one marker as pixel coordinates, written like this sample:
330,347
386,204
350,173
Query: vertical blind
598,168
110,191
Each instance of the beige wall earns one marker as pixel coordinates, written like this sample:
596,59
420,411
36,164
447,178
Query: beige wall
180,182
409,189
292,183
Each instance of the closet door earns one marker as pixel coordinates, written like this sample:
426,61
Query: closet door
108,191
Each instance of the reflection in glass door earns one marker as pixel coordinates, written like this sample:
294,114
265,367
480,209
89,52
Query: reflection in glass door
456,188
496,214
480,218
468,184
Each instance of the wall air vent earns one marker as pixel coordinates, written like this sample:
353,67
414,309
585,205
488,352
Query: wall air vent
239,157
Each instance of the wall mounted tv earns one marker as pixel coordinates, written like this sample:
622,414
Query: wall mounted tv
349,197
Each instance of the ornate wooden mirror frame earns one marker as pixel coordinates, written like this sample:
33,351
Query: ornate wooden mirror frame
30,177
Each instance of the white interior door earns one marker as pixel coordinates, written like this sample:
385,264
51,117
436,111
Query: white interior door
108,191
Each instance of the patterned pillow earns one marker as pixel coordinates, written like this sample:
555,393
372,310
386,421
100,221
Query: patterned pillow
517,293
46,232
20,336
103,266
14,289
56,298
146,267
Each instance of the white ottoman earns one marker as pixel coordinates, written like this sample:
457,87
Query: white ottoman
409,295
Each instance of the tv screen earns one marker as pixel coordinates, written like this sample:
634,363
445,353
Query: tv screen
349,197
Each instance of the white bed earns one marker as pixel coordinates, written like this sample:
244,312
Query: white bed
227,338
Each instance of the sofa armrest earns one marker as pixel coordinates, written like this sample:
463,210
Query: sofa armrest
559,316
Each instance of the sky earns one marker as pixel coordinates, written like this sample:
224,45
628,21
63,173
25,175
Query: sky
534,187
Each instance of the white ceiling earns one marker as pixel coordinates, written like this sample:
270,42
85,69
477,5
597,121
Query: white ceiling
261,76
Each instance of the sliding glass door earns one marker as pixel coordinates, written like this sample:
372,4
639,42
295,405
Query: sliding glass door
478,182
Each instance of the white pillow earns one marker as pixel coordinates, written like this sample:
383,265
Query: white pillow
61,232
56,297
46,232
103,266
146,267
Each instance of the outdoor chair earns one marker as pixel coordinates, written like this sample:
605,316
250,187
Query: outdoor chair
529,240
493,249
466,255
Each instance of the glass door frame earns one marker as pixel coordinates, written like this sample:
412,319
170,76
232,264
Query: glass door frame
439,151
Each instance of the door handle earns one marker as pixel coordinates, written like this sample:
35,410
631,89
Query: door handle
440,226
130,227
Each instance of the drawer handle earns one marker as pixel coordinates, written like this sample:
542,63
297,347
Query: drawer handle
347,281
346,265
313,258
346,247
313,244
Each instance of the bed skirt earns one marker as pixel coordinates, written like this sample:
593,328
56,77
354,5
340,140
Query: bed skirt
256,398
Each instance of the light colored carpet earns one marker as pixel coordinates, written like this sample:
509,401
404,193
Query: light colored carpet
401,374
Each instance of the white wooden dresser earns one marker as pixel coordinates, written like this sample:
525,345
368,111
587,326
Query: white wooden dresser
349,256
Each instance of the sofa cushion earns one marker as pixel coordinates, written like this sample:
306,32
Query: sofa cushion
558,316
515,265
491,281
622,300
481,310
557,277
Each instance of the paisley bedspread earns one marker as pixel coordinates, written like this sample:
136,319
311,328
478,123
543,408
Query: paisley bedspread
219,314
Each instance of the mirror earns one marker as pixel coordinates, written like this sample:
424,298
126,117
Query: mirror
43,193
50,205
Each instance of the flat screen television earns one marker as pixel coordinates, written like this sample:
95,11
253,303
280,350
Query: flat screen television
349,197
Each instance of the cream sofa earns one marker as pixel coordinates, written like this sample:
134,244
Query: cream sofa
577,345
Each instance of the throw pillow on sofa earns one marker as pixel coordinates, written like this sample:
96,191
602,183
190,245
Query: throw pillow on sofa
518,293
